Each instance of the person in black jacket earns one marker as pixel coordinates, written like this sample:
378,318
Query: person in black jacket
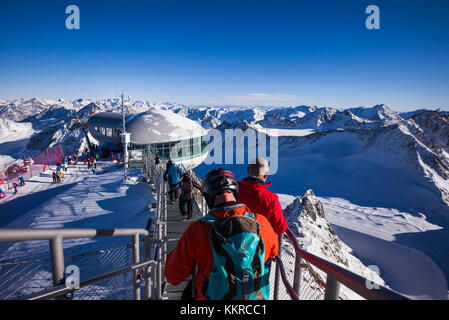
186,199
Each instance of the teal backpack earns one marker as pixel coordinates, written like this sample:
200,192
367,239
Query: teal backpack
238,271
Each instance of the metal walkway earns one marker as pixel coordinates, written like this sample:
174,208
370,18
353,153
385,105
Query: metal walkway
175,228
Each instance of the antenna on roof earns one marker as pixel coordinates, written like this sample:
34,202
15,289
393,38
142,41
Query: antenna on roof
125,137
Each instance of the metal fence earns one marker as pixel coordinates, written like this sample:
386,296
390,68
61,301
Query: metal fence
19,279
305,271
22,278
111,273
92,263
309,284
157,225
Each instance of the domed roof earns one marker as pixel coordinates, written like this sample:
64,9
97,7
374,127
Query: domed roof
156,126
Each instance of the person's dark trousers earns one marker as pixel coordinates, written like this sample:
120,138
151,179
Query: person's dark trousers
182,207
173,192
187,293
268,265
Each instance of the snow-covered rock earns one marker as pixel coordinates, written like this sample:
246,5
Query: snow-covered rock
307,221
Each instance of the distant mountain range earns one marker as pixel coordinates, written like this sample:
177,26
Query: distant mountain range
417,140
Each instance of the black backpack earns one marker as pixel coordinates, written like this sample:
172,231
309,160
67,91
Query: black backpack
186,188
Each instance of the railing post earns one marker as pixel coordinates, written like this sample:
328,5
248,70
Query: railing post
160,235
332,289
277,278
57,262
136,259
157,241
164,255
297,276
202,206
147,269
156,236
159,267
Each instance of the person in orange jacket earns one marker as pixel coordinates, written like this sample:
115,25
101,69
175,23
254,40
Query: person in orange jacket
193,252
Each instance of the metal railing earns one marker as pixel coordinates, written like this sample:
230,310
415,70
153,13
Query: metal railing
336,275
58,261
158,224
64,290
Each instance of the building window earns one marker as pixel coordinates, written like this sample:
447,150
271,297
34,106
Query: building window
177,150
204,143
191,147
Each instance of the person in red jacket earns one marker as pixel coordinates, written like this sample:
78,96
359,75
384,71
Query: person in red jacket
193,250
253,193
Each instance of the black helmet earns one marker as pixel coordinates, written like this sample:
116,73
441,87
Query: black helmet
216,182
186,176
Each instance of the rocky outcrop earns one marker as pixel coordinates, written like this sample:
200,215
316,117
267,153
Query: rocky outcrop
306,219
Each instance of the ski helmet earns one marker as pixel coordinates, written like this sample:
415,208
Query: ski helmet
216,182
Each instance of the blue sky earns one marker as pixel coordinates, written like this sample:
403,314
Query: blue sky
227,52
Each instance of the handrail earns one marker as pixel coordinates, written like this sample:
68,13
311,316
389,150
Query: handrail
56,237
159,249
287,285
7,235
349,279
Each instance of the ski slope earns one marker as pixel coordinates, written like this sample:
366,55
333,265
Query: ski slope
14,137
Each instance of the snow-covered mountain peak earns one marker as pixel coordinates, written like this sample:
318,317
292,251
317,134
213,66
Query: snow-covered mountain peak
306,219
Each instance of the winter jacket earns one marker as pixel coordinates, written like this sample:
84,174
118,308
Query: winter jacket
172,174
186,187
194,249
253,192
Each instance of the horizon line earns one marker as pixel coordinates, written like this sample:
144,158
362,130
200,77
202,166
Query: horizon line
190,105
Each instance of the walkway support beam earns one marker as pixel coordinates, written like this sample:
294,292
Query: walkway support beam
332,289
57,261
136,260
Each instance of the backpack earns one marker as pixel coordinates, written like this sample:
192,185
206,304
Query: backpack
238,271
186,188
